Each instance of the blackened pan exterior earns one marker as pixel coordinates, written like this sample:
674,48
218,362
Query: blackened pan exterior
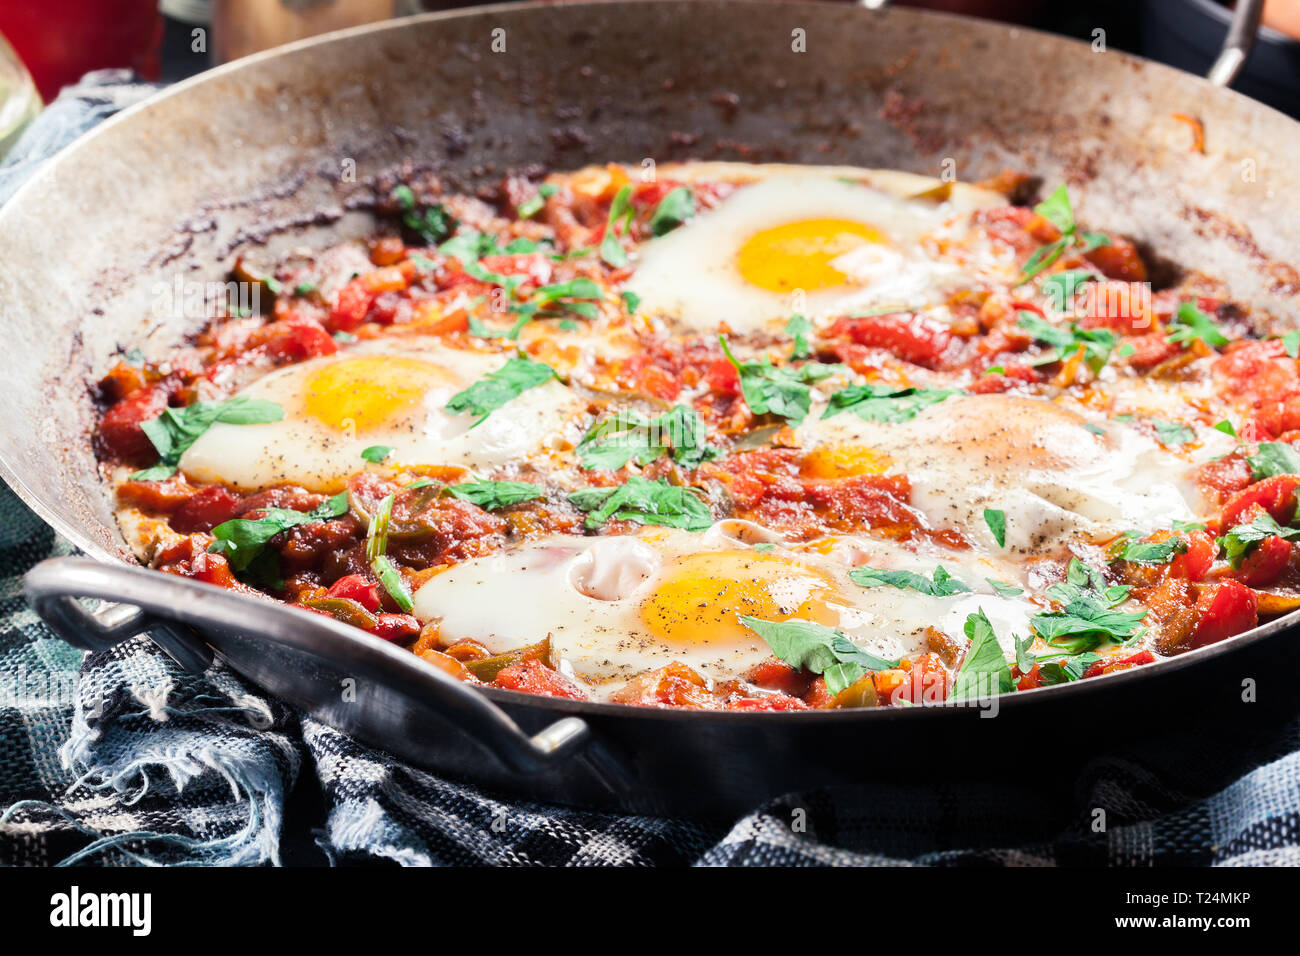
290,147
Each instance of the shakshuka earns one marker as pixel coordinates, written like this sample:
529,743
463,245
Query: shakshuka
729,436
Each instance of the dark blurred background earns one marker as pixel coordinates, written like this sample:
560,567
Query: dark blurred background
60,40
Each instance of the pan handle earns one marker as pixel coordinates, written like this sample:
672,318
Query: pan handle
1240,41
169,607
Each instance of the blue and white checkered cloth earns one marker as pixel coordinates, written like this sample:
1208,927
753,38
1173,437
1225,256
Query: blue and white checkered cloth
123,758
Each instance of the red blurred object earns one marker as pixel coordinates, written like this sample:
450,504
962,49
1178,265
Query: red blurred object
59,40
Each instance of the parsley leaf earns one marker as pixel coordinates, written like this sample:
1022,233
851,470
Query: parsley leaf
242,540
1291,342
780,390
631,300
673,210
984,671
996,519
885,403
819,649
495,494
942,584
1067,669
1087,616
619,210
1274,458
533,205
431,223
376,453
1096,344
1061,287
1190,323
798,328
621,438
176,429
1003,588
1244,538
1057,210
497,388
645,502
1172,433
1150,552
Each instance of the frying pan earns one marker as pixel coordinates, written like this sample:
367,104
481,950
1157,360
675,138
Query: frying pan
291,148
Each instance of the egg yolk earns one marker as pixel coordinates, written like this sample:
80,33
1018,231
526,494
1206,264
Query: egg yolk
798,255
844,460
702,596
368,390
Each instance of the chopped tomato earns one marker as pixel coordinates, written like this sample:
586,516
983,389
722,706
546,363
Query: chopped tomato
356,587
398,628
1119,260
911,337
723,378
1030,680
351,306
205,509
1112,665
776,674
535,266
927,683
1195,563
534,677
1276,495
387,279
120,433
768,702
295,338
1266,562
1223,610
1151,350
1117,306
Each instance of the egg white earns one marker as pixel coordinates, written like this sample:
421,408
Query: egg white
303,449
587,595
691,276
1058,482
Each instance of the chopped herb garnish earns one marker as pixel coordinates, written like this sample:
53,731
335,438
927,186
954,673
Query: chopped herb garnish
1066,669
1150,552
1189,324
430,223
673,210
495,494
1225,426
799,328
941,584
620,210
242,540
885,403
631,300
1274,458
780,390
1057,210
376,453
1004,589
533,205
1244,538
1172,433
1061,287
625,437
497,388
645,502
819,649
1291,342
304,288
996,519
984,671
1096,344
176,429
1087,616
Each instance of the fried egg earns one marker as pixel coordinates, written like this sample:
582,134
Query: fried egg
385,392
616,606
813,242
1059,477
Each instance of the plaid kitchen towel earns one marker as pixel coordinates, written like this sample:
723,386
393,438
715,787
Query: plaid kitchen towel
123,758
